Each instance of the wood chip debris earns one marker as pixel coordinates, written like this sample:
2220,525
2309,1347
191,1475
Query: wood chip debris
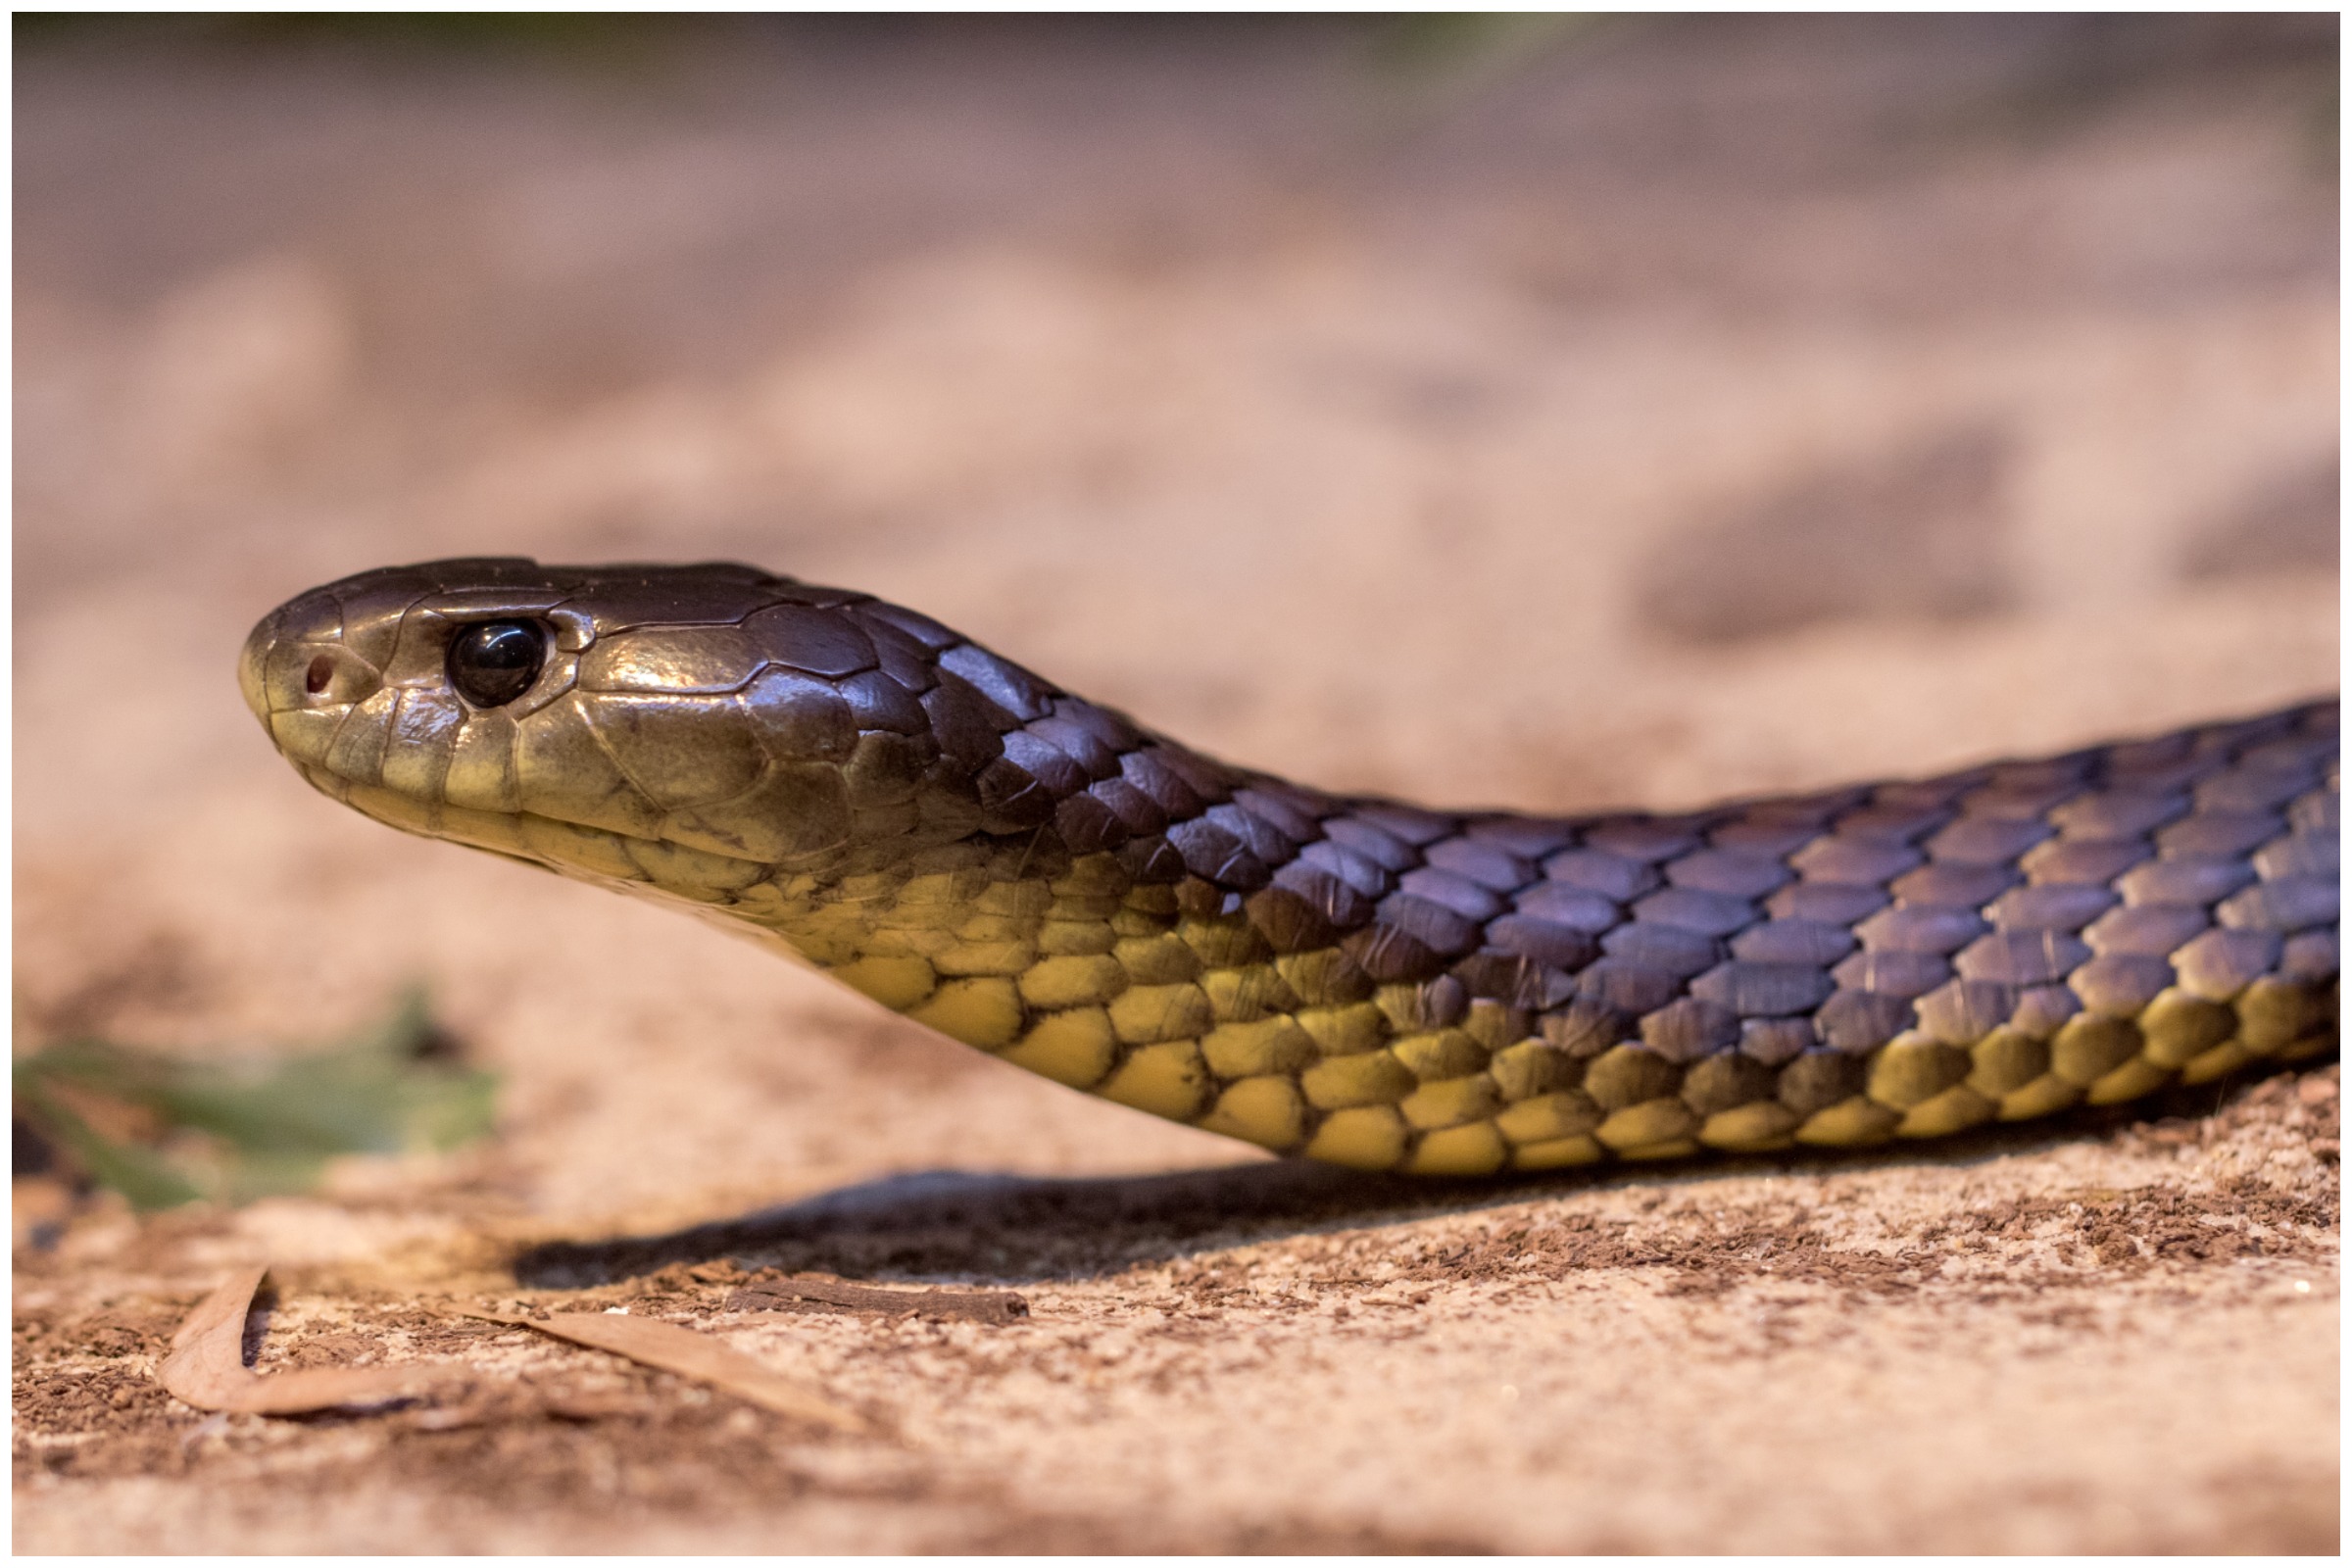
674,1347
826,1292
206,1366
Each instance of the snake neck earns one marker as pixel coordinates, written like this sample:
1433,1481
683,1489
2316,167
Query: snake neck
1164,996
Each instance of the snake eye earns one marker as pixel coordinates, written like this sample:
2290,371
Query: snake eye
495,662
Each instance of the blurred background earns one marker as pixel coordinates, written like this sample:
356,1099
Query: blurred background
1549,411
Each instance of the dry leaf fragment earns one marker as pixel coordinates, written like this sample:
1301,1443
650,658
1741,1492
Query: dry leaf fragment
674,1347
207,1365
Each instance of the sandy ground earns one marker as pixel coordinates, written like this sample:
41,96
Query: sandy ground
1642,413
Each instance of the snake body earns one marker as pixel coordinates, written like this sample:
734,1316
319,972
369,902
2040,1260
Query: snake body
1361,981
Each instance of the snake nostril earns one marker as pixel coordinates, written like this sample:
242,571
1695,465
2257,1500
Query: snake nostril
322,670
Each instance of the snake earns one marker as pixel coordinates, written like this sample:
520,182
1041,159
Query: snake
1356,979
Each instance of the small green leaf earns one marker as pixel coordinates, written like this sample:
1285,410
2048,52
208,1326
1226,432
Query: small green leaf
265,1125
141,1175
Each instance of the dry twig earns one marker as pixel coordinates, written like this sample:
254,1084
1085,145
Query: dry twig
821,1293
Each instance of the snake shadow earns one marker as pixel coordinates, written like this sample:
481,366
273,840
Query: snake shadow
972,1225
951,1224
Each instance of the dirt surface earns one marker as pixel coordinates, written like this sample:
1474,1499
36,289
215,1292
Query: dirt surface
1559,418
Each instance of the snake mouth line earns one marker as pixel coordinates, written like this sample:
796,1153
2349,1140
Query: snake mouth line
600,854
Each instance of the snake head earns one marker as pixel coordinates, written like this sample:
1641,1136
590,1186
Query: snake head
700,728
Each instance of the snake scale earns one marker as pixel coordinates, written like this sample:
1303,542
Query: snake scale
1356,980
